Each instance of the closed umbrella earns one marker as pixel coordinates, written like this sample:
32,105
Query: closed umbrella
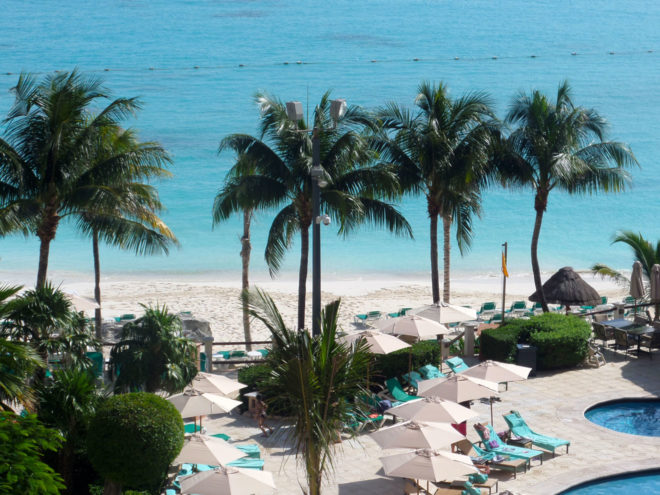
417,435
204,449
445,313
227,481
655,289
412,326
427,464
636,283
215,384
432,409
193,403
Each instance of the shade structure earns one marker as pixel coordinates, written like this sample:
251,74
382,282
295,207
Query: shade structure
568,288
215,384
427,464
457,388
636,281
417,435
193,403
655,284
228,480
204,449
432,409
494,371
445,313
378,343
412,326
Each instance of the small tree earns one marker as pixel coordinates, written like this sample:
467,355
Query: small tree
132,440
24,441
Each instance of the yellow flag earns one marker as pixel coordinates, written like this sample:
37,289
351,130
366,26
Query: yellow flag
504,270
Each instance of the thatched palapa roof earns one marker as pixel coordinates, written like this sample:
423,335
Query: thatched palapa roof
567,287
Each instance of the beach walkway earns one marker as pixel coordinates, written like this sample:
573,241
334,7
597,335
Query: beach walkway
552,404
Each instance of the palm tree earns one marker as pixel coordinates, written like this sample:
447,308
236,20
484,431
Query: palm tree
274,171
116,206
441,151
557,145
50,138
317,377
153,355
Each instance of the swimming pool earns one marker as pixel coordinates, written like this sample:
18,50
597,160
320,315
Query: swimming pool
633,416
647,483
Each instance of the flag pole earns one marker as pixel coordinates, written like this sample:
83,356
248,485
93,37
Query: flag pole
505,274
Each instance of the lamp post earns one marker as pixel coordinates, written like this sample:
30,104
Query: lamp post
294,113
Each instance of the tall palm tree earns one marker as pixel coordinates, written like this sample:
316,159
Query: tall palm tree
316,376
557,145
441,151
50,137
274,171
116,206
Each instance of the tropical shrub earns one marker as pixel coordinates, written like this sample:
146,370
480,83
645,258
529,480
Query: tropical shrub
397,363
560,340
25,440
133,438
258,378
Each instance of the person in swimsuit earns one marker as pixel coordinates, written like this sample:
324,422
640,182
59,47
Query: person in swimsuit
260,416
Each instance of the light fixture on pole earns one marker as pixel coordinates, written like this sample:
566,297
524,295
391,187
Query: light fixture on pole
295,113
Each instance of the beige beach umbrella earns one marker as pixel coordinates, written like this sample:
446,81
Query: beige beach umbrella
445,313
227,481
204,449
432,409
636,284
412,326
80,303
494,371
655,289
427,464
377,342
193,403
215,384
417,435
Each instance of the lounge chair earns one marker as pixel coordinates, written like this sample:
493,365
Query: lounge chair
429,371
497,318
492,443
490,459
358,421
248,463
486,311
251,449
519,427
396,391
191,428
456,364
368,317
224,437
518,308
412,378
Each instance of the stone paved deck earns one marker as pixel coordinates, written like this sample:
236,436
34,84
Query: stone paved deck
552,404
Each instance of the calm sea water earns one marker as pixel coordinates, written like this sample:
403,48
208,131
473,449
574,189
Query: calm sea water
364,51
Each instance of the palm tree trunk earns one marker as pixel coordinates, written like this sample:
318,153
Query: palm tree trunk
246,248
44,250
435,279
540,203
97,282
302,275
446,233
111,488
46,233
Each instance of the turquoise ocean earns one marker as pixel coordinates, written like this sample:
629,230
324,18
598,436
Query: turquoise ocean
196,65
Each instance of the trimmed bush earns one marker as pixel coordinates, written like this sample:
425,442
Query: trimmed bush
397,363
133,438
257,377
560,340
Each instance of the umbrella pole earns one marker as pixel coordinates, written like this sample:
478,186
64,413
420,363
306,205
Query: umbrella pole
410,361
491,410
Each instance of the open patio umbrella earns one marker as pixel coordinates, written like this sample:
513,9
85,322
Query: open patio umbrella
215,384
655,289
636,283
427,464
445,313
417,435
412,326
568,288
378,343
432,409
227,481
494,371
204,449
193,403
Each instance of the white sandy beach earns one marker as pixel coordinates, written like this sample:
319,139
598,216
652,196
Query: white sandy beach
218,300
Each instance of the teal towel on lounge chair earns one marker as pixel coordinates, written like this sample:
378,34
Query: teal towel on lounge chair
429,371
251,449
456,364
247,463
493,444
396,390
222,436
412,378
519,427
191,428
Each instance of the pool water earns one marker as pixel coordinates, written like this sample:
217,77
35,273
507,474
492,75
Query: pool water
636,417
647,483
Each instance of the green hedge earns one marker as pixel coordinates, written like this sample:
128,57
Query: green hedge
560,340
397,363
257,377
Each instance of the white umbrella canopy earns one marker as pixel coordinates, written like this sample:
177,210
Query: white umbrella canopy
494,371
204,449
215,384
412,326
228,480
427,464
417,435
445,313
636,282
457,388
378,343
432,409
192,403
